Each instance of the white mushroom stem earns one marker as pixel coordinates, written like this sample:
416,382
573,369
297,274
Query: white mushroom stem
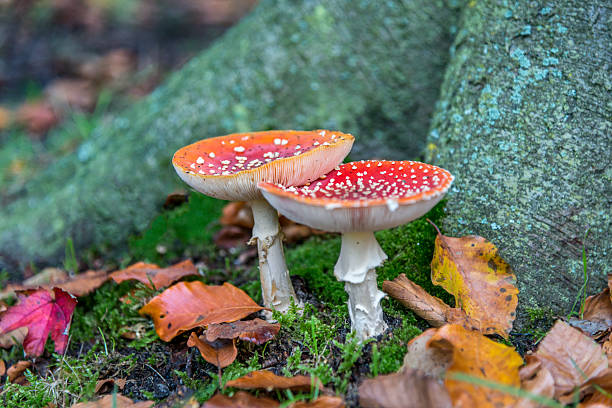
276,285
360,254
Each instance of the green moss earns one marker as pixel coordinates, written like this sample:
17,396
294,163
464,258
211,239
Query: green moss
391,350
184,231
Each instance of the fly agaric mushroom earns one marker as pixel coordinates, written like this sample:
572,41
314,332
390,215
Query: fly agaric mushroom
229,168
357,199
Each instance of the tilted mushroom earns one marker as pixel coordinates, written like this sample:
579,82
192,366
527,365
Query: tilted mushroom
357,199
229,168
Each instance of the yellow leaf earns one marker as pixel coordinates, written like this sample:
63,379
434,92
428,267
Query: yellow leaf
477,356
482,282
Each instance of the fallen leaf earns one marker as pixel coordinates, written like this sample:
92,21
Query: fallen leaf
325,401
406,389
44,313
571,357
193,304
598,308
479,357
602,381
78,285
240,400
238,214
2,368
107,385
174,200
430,360
535,379
9,339
269,381
482,282
161,277
113,66
232,237
597,400
430,308
296,233
220,352
71,93
256,331
114,401
37,117
16,370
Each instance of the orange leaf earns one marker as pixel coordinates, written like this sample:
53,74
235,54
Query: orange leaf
220,353
407,389
16,370
193,304
430,360
482,282
147,273
270,381
326,401
477,356
240,400
114,401
256,331
571,357
77,285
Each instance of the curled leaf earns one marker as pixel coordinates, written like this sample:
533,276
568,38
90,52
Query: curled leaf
220,352
193,304
572,359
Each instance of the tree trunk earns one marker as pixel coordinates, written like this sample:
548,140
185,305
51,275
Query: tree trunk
368,67
524,123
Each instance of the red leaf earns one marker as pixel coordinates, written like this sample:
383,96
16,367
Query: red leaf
44,313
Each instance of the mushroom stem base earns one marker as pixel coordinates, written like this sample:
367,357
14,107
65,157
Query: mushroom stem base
364,307
276,285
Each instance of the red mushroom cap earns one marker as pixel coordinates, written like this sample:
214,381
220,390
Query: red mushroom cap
229,167
362,196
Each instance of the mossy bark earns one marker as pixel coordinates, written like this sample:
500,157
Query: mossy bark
368,67
524,123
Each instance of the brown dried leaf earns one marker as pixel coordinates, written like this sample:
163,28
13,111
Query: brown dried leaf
114,401
71,93
477,356
9,339
269,381
256,331
430,360
326,401
406,389
535,379
482,282
5,118
161,277
415,298
238,214
220,353
571,357
193,304
107,385
240,400
78,285
231,236
2,368
598,308
15,372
